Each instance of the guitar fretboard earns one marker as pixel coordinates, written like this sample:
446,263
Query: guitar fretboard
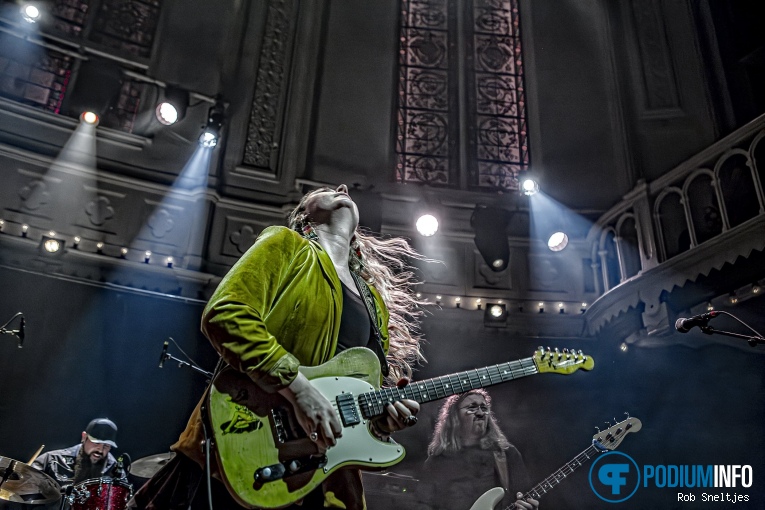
554,479
373,404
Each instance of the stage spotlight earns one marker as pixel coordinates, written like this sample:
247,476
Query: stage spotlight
490,226
427,225
50,245
557,241
173,108
96,87
89,118
495,315
211,134
527,185
30,13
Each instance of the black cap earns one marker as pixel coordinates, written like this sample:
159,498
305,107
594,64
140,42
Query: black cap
102,430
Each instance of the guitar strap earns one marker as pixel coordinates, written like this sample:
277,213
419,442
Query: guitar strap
369,301
500,463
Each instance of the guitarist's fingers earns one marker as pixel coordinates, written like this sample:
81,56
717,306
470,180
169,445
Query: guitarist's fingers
527,504
336,426
412,405
325,433
398,414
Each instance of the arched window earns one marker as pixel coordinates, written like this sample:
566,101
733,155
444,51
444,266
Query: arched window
705,209
461,100
671,223
628,245
737,188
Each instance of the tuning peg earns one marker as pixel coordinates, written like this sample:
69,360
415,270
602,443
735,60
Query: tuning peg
608,423
598,429
628,415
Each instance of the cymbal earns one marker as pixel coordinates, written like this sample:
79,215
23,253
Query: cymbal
146,467
25,484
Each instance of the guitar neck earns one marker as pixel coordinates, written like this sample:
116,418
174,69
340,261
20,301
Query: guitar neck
373,404
557,477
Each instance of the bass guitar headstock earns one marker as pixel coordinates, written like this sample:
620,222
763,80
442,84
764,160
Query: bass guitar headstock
612,437
562,362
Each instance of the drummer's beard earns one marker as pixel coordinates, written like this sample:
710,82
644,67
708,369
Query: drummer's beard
85,469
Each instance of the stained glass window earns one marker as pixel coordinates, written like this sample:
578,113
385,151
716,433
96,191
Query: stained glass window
33,75
40,76
461,102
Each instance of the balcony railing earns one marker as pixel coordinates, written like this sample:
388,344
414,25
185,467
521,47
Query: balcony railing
707,211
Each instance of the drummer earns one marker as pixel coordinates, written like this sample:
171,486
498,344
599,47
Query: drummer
88,459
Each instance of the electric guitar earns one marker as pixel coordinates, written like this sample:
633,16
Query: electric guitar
267,461
604,440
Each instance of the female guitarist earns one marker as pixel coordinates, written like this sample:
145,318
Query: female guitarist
297,297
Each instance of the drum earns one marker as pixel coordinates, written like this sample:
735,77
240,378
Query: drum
101,494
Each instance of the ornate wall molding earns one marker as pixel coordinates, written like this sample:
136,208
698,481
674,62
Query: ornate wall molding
263,139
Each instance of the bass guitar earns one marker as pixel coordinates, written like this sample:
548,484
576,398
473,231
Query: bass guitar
603,441
267,461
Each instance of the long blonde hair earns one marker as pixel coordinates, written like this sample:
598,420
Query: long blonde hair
446,435
383,263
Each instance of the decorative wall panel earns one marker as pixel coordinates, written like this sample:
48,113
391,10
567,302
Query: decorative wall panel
263,139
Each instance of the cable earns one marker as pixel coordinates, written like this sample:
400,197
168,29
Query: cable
182,351
750,328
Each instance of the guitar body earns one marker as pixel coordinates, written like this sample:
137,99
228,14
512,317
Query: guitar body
267,461
489,499
253,430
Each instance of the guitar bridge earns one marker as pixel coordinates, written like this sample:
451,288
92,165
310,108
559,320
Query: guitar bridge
346,405
288,468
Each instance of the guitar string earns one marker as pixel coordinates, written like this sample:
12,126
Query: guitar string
566,470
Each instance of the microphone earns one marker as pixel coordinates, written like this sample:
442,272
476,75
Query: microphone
685,325
163,356
119,469
20,333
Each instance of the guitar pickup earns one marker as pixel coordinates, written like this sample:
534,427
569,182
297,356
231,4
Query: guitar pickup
288,468
346,406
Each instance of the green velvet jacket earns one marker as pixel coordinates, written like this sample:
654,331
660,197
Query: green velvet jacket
279,307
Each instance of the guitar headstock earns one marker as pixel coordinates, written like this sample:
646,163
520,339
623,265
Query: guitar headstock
565,362
610,438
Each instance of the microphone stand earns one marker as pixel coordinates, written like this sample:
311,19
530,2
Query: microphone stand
12,332
182,363
753,340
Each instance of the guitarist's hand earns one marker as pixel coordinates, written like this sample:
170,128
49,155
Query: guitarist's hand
526,504
313,411
400,415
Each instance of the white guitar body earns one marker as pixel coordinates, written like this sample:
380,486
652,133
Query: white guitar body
489,499
357,446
